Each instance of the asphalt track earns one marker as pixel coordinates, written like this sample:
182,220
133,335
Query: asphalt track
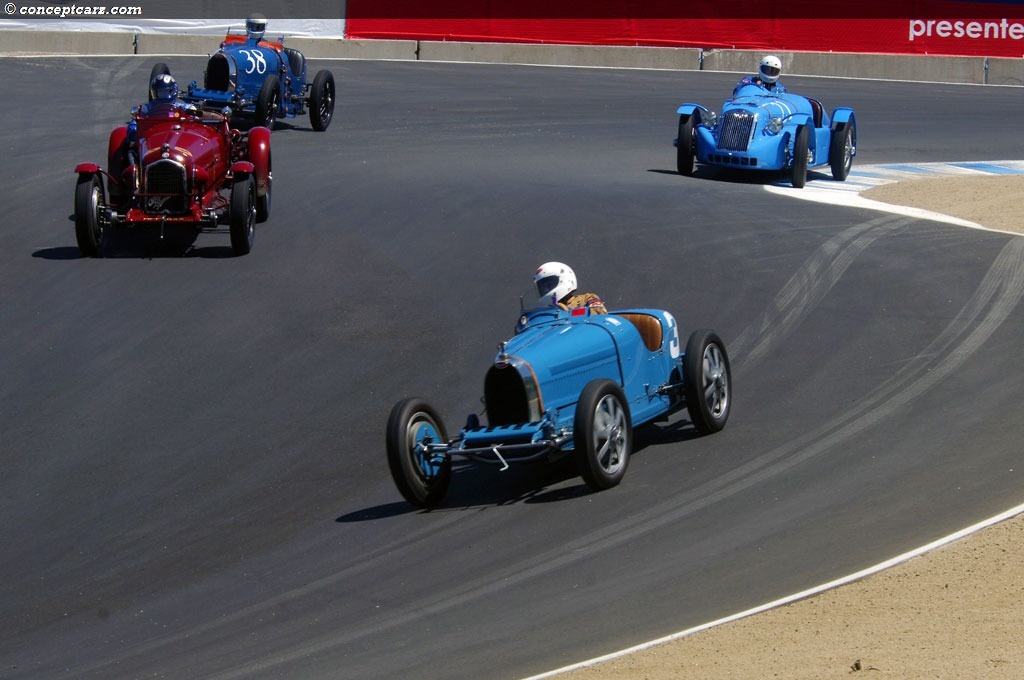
194,481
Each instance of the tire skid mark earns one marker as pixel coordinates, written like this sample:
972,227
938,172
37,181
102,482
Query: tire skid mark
807,287
997,296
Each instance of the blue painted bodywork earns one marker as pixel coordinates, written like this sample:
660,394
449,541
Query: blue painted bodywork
757,129
236,73
532,388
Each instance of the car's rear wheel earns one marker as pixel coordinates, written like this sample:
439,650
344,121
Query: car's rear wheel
89,200
603,434
840,153
421,477
686,144
707,381
321,101
801,148
268,102
242,215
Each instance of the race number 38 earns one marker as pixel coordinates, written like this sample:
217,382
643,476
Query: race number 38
255,61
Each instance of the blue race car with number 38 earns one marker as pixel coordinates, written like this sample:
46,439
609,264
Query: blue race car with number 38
763,130
263,80
569,382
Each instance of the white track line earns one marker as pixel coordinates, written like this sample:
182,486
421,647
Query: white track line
865,177
1012,512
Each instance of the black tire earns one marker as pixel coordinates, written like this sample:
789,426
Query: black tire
159,69
707,381
840,152
603,434
421,481
321,101
89,200
686,144
242,215
268,102
801,147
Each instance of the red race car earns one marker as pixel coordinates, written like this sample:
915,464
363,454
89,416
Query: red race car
175,165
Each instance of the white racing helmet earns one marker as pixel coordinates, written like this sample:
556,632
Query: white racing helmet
256,26
554,281
771,68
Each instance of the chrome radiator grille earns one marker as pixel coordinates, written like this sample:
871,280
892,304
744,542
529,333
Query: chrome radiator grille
166,187
736,129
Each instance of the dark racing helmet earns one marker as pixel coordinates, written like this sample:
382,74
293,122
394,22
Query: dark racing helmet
163,88
770,69
256,26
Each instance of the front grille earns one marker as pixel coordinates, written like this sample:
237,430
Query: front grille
166,188
725,159
505,397
220,75
736,130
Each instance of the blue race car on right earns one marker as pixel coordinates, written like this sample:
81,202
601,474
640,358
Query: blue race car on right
760,129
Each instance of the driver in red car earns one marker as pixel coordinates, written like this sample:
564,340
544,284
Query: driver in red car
163,91
556,286
767,76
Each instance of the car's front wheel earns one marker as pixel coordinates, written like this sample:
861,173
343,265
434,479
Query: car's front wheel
801,150
321,101
421,477
602,434
89,200
268,102
707,381
242,215
841,150
686,144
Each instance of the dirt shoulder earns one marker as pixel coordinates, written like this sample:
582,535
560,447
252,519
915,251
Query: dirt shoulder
953,613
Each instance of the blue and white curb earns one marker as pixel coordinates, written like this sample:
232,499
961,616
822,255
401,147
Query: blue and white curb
821,188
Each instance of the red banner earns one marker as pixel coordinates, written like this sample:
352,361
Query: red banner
961,28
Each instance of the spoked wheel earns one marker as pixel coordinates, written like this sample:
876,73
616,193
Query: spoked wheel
321,101
686,144
708,381
421,478
801,149
242,215
268,102
603,434
841,150
89,201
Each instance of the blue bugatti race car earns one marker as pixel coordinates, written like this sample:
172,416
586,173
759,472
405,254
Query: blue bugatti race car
262,80
763,130
568,382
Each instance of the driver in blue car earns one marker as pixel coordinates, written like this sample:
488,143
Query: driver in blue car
556,287
767,76
255,27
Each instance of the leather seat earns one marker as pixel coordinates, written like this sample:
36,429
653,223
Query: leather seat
649,327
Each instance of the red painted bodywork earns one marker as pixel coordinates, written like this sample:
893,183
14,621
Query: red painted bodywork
212,154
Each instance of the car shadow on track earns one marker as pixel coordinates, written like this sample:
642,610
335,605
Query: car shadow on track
478,485
148,244
741,176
